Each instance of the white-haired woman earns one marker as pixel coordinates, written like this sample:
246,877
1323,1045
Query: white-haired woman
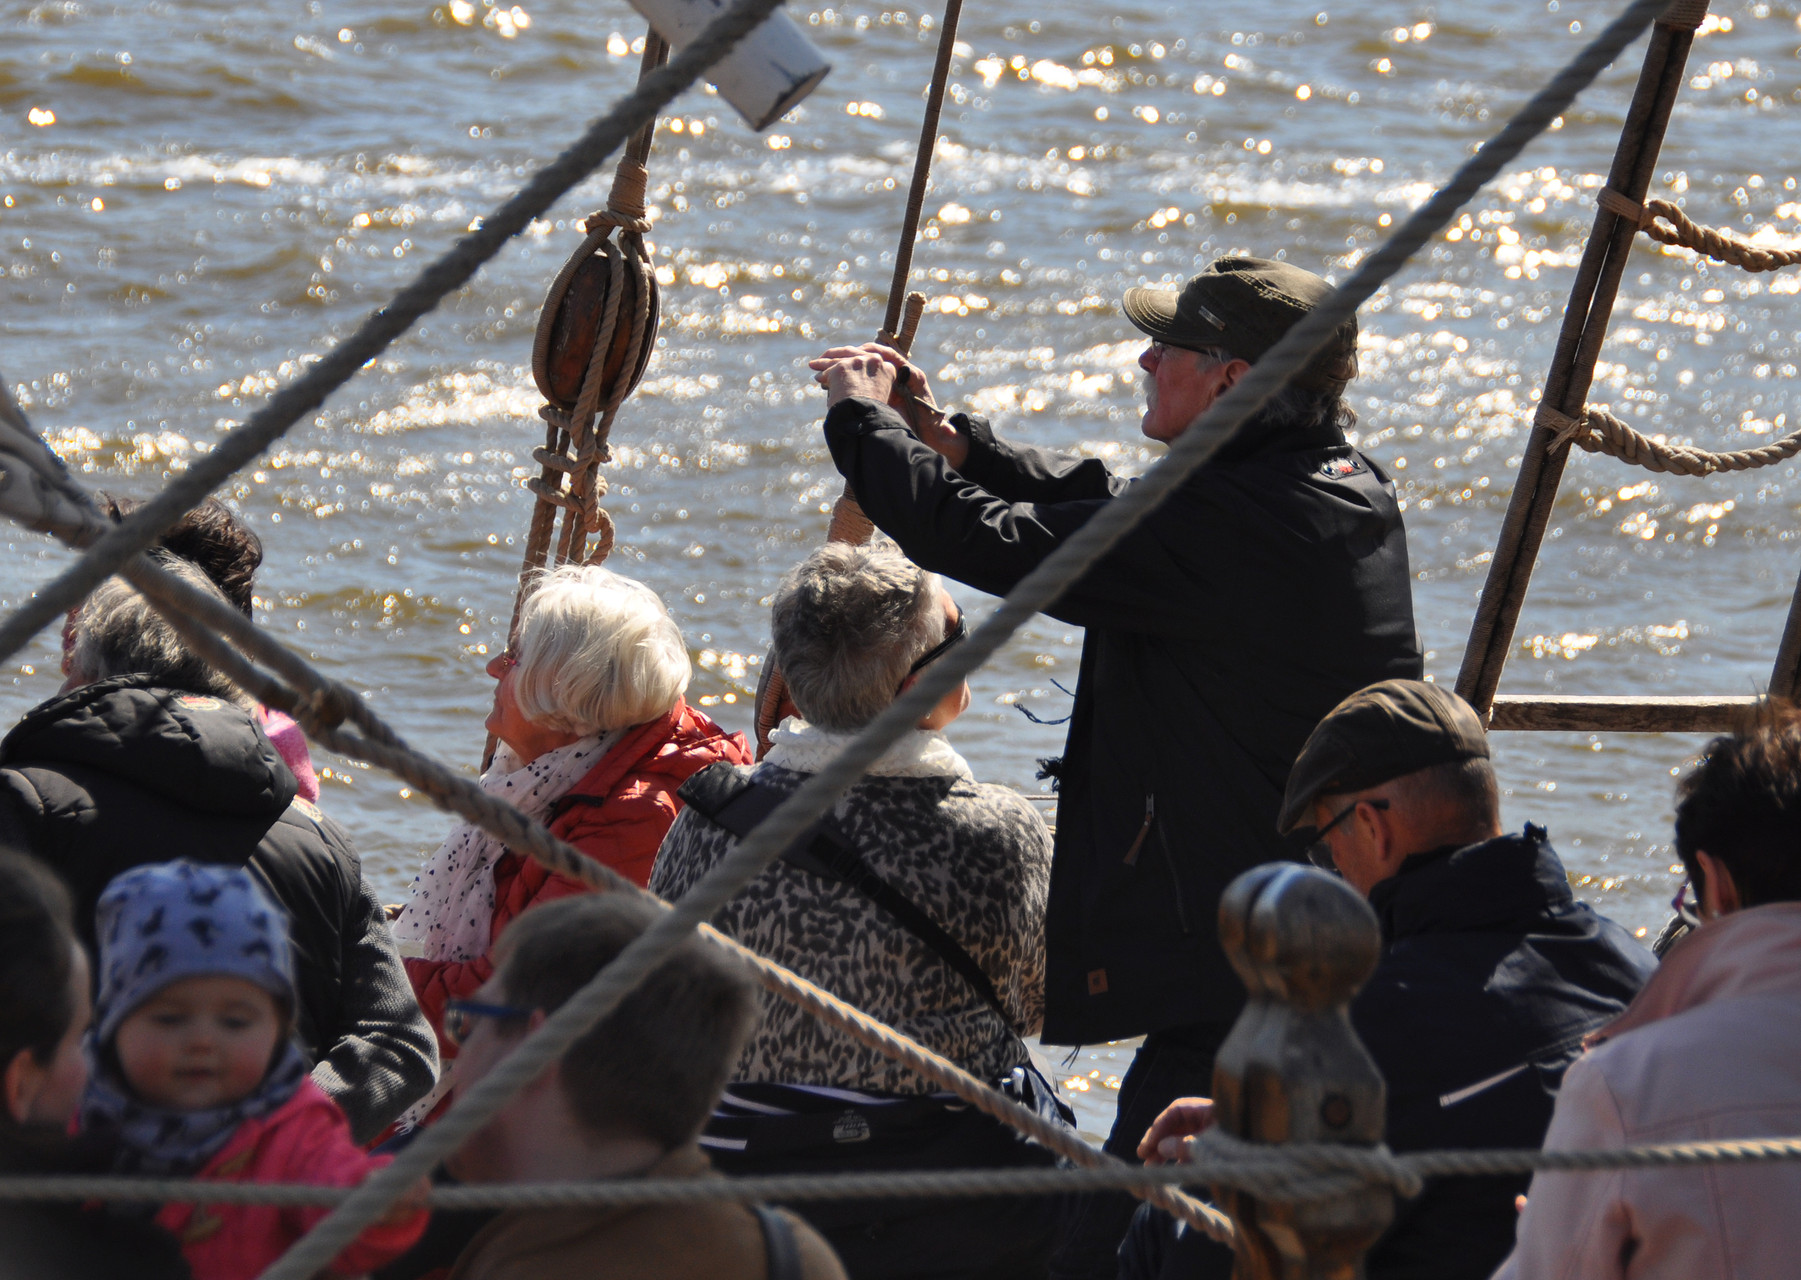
594,740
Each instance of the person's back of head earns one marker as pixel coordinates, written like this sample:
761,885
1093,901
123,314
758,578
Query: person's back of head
1741,807
654,1067
43,980
847,625
118,633
215,538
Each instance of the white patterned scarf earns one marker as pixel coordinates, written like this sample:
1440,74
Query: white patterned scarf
450,911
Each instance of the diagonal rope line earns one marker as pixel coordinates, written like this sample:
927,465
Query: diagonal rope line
1036,591
1297,1172
441,278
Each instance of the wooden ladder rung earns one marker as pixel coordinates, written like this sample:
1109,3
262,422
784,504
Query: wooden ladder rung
1714,713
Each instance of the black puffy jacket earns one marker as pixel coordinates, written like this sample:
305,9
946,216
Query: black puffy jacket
120,773
1272,585
1491,975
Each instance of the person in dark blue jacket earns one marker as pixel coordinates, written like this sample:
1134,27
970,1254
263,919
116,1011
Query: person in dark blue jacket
1270,585
1491,972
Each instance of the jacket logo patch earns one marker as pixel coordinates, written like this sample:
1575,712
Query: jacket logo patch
1097,982
1339,468
198,702
850,1127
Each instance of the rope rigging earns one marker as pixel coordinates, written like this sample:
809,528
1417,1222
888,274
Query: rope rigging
1296,1172
36,491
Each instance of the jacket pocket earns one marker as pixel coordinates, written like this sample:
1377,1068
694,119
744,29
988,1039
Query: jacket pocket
1150,836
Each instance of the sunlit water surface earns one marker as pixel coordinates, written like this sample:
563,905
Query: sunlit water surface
197,199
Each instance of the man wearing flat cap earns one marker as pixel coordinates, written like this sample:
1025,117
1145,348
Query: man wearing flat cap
1491,972
1270,585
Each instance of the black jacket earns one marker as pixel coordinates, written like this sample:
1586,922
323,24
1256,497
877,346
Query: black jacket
1219,631
120,773
1491,975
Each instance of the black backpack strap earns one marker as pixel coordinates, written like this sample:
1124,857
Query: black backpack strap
727,796
781,1251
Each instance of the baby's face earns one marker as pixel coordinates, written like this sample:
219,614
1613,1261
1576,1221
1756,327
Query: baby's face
199,1043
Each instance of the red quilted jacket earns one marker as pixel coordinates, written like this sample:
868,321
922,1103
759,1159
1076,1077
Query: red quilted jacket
617,815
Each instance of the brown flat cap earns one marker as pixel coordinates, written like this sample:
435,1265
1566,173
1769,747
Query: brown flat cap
1243,306
1376,735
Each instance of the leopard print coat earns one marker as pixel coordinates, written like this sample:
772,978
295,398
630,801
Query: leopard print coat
974,857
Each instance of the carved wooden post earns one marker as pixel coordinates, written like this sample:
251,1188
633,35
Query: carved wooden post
1293,1070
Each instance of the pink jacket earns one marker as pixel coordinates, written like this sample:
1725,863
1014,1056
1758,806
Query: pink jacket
306,1140
1710,1049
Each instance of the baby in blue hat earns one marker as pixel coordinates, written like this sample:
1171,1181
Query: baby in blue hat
194,1070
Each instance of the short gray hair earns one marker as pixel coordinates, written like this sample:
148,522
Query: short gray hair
119,633
848,622
596,652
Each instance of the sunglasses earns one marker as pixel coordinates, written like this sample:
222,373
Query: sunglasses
460,1016
1319,853
958,633
1685,907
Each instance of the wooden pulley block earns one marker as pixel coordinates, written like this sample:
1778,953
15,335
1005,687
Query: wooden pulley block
1293,1070
574,314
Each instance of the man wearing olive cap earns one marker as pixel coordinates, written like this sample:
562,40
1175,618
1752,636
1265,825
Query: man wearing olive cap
1270,585
1491,972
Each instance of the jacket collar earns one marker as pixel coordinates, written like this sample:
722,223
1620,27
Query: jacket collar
627,755
545,1230
1509,880
1748,953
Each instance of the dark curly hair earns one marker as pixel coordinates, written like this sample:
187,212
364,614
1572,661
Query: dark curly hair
213,537
1742,805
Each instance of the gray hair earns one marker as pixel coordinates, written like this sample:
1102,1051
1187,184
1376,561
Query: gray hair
119,633
1294,407
597,651
847,623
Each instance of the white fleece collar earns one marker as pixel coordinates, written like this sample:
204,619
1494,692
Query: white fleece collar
798,746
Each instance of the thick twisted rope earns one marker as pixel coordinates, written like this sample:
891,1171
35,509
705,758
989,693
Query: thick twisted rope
1290,1174
1598,431
443,277
1035,592
1684,232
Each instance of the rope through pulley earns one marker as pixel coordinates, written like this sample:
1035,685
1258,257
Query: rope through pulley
595,336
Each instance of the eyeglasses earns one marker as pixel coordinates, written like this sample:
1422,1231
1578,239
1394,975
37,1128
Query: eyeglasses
460,1016
1319,853
1685,907
959,632
1161,349
507,659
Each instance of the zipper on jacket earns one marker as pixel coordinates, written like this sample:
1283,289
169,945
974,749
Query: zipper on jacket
1150,816
1175,880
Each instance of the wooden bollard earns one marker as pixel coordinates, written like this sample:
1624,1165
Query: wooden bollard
1292,1069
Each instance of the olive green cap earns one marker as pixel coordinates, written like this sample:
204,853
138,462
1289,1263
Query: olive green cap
1376,735
1243,306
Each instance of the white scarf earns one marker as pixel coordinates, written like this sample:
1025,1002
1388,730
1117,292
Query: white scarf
450,912
921,753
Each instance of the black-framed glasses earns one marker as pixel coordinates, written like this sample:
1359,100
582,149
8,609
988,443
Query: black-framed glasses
460,1016
1319,853
958,633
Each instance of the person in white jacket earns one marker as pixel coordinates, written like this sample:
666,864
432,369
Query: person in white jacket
1710,1050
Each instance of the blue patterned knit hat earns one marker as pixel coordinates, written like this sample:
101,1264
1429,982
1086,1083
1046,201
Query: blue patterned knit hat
165,921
